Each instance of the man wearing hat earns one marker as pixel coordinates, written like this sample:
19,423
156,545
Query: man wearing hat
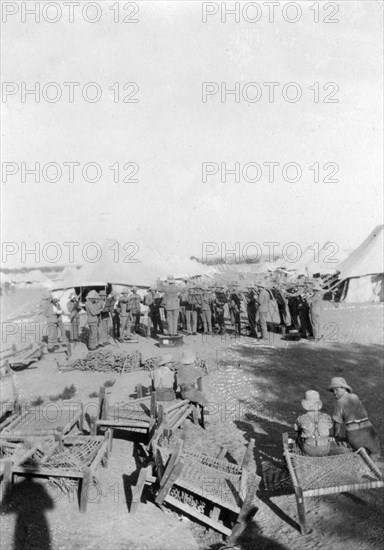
250,298
134,311
281,306
187,378
163,379
315,301
350,411
191,307
235,308
219,305
313,428
116,318
206,313
52,322
93,308
73,307
305,320
106,303
263,300
123,312
171,293
153,300
293,306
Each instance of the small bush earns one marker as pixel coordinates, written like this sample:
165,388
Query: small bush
38,401
93,394
67,393
109,383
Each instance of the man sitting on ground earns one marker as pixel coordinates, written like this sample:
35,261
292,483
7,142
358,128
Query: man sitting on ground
313,428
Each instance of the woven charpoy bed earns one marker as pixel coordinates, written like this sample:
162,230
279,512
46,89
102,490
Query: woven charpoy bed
44,420
137,415
64,461
340,471
203,487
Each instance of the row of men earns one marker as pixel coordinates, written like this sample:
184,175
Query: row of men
195,307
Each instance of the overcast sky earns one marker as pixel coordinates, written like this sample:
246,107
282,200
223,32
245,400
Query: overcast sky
170,132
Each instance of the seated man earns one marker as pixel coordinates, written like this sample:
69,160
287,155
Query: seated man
187,377
313,428
350,411
163,379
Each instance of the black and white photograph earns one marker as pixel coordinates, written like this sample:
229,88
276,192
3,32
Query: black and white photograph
192,275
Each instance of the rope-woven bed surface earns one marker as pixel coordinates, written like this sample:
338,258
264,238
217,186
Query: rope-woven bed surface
74,457
331,471
211,484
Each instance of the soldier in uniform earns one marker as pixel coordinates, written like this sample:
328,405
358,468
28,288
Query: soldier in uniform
183,308
188,376
116,319
250,298
74,309
293,306
124,315
134,311
93,308
60,323
171,297
52,323
235,308
305,321
107,304
220,301
153,301
263,300
206,310
280,304
191,309
315,300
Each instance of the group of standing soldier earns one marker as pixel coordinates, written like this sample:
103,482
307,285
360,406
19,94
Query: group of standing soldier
192,307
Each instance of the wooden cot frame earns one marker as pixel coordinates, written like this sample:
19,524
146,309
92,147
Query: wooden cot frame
9,468
301,494
145,426
169,475
16,420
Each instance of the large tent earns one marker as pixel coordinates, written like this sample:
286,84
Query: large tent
325,261
363,270
142,273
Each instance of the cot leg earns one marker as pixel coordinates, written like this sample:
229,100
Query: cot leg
110,439
85,484
7,477
301,510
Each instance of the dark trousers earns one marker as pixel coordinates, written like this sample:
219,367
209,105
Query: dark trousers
305,322
235,320
251,313
220,318
116,326
155,322
365,437
135,321
75,328
294,313
282,313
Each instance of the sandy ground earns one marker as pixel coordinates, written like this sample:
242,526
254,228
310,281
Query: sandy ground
255,391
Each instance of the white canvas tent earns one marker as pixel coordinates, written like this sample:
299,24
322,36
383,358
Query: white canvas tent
363,270
326,261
